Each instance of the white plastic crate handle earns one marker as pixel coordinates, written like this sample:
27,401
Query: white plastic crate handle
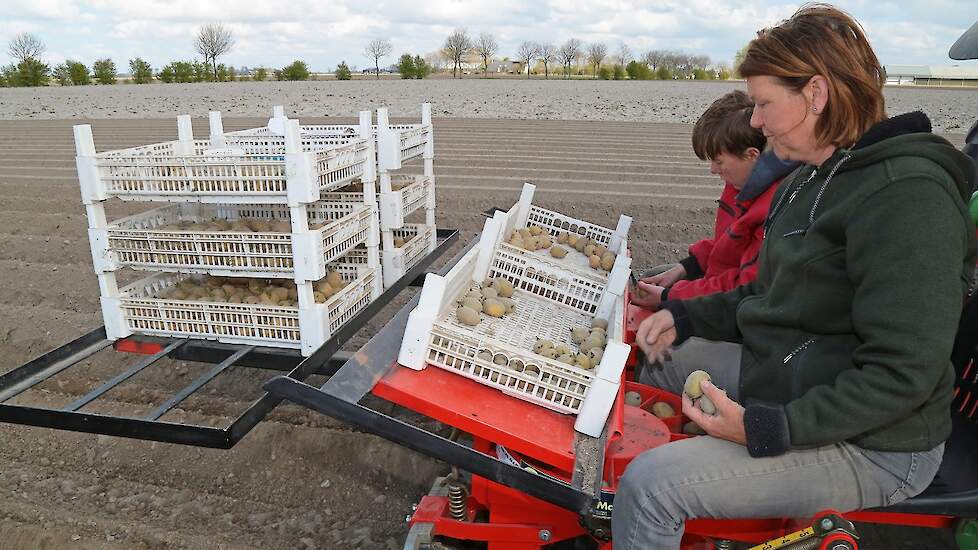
388,143
301,172
429,146
615,287
217,129
526,200
276,124
620,236
488,242
92,188
593,414
185,136
417,333
365,131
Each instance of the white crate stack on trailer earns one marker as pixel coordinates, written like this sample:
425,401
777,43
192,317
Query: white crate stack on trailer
274,179
551,298
403,244
401,194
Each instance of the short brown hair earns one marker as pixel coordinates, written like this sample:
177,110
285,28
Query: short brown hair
725,127
820,39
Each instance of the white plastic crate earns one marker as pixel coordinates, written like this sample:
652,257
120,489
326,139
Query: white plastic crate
225,169
400,142
408,194
433,335
148,240
138,310
419,239
524,214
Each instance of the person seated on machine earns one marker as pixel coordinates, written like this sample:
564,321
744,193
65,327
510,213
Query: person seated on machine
840,398
723,135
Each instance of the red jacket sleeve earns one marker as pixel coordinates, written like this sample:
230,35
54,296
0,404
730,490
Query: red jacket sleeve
726,213
726,280
746,271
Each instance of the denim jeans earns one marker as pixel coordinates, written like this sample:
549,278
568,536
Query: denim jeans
706,477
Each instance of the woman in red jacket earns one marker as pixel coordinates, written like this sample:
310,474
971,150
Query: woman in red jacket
723,135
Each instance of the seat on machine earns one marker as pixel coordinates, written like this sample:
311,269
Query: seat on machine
955,487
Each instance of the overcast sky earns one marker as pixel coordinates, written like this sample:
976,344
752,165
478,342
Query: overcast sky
324,32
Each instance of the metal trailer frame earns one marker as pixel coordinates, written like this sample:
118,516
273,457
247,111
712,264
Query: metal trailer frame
324,361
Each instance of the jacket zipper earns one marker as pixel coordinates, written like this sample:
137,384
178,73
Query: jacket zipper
798,350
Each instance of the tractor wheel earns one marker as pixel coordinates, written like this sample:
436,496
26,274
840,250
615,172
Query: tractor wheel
966,534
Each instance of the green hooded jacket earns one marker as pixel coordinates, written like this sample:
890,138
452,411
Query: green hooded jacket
847,330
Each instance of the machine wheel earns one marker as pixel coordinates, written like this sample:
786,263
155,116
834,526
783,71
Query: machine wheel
966,534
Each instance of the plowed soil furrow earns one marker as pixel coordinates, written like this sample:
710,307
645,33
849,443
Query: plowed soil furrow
299,480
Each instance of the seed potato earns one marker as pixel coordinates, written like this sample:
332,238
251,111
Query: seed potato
693,386
467,316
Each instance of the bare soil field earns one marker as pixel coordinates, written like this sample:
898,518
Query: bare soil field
951,110
299,480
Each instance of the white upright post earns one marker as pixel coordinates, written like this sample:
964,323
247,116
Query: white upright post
94,196
369,180
385,162
217,129
429,172
185,136
276,124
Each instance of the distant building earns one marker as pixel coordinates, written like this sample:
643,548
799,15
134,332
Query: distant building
507,67
932,75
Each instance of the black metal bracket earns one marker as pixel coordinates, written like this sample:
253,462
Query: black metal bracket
340,398
325,361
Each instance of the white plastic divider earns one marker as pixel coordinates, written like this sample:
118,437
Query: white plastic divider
549,302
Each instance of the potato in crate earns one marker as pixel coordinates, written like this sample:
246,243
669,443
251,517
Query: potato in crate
234,240
256,311
555,343
576,246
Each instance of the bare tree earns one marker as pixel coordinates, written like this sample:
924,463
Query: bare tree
486,47
547,55
213,41
568,53
26,46
377,48
434,60
624,54
595,55
457,46
654,58
526,53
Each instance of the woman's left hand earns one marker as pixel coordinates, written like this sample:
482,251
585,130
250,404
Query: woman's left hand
727,423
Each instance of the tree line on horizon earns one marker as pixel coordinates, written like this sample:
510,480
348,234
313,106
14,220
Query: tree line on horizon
459,50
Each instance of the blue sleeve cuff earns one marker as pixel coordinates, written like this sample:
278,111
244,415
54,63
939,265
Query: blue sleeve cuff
766,427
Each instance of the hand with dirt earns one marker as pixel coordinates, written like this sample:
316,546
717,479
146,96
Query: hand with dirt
727,423
647,296
667,278
655,334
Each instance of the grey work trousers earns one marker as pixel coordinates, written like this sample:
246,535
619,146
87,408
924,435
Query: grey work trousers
706,477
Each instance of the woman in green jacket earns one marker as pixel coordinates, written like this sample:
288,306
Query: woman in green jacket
842,397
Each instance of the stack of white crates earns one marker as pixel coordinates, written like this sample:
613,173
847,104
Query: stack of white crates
277,183
403,244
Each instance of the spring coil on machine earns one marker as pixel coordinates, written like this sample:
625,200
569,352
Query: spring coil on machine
456,501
